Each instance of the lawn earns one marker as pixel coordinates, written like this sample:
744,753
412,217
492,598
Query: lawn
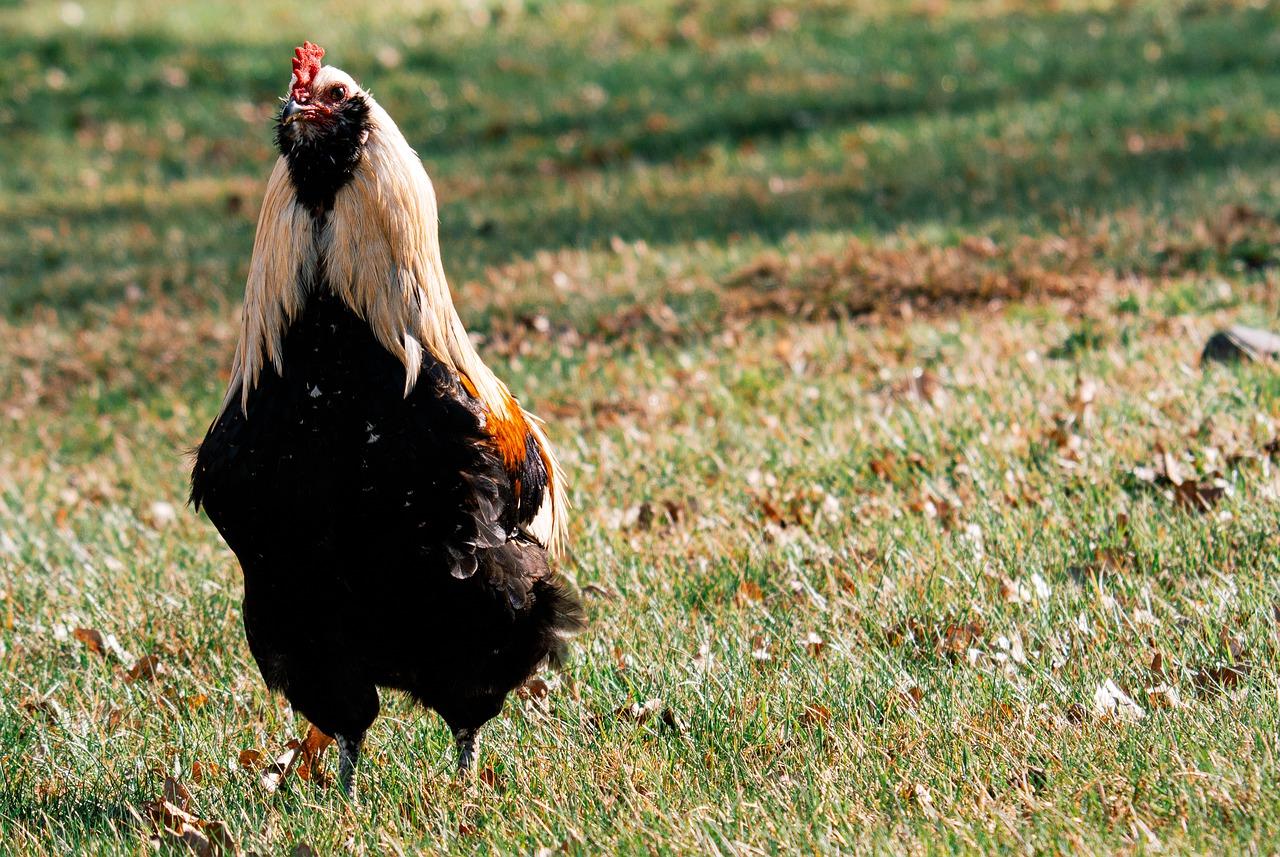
907,518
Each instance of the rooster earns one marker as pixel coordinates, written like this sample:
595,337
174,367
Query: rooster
394,510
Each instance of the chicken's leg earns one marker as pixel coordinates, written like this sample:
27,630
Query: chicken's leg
348,756
466,742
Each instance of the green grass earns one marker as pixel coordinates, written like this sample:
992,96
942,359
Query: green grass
806,297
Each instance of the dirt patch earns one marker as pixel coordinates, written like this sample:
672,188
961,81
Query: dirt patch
127,352
1239,238
915,277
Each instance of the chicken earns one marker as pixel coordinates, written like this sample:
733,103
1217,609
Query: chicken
395,512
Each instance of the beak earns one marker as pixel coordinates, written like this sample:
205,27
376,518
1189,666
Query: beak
292,110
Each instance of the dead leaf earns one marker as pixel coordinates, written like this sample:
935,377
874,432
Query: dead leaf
672,721
815,715
760,649
309,765
1145,474
535,688
918,794
813,644
1214,680
640,712
1027,591
1157,667
250,759
220,838
595,589
884,467
276,773
1164,696
704,658
42,708
162,514
172,820
92,639
906,690
176,793
748,592
1169,465
621,659
1110,702
957,639
199,770
1191,493
924,386
1199,496
146,668
1082,400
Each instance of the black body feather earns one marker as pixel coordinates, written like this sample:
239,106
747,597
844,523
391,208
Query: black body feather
376,533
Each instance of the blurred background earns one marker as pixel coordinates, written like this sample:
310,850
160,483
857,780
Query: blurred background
138,135
868,332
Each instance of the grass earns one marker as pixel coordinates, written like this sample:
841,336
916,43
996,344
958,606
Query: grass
868,332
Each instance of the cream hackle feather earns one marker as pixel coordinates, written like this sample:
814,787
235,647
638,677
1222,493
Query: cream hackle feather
380,247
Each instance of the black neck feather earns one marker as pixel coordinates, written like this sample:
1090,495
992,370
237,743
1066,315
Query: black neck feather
323,159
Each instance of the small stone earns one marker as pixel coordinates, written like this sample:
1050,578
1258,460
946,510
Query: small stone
1241,343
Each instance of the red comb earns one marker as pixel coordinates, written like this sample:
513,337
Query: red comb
306,63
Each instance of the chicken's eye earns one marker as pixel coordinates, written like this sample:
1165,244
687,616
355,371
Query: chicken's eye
337,92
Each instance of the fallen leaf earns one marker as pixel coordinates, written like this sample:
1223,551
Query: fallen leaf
42,708
640,712
923,385
760,649
162,514
534,688
957,638
176,793
309,763
906,690
1082,400
146,668
595,589
672,721
748,592
1169,465
1109,701
815,715
813,644
172,820
220,838
250,759
276,772
1146,474
1024,591
199,770
1214,680
884,467
1199,496
1164,696
92,639
704,658
1157,667
918,794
